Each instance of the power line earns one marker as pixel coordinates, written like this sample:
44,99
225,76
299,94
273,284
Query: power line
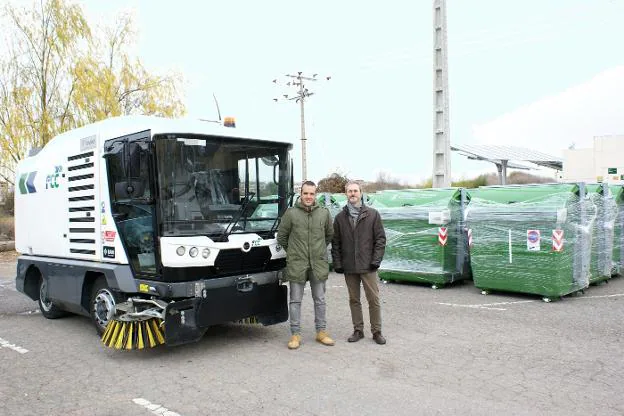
302,93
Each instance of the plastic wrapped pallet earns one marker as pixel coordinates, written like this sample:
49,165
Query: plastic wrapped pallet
602,232
617,191
532,239
426,237
334,202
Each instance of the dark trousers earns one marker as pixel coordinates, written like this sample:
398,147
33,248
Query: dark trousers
371,289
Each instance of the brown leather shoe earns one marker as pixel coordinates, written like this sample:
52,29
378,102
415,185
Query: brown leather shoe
357,335
379,339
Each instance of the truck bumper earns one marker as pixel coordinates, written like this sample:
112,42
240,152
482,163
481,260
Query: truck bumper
187,320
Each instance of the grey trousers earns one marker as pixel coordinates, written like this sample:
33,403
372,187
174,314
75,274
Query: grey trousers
371,289
318,295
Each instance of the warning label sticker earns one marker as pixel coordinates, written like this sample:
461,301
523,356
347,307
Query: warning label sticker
557,241
533,240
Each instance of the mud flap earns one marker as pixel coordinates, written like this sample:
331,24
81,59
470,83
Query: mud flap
181,323
279,315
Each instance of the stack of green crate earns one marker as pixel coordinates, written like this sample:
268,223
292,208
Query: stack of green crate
334,202
425,233
602,232
533,239
617,191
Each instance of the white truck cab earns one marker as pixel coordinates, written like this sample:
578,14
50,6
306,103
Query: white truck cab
145,216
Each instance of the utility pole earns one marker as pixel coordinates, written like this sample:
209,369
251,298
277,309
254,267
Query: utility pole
441,134
303,93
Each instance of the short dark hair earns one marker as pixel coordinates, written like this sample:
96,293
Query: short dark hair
308,183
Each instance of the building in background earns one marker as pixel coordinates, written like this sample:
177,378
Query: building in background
602,163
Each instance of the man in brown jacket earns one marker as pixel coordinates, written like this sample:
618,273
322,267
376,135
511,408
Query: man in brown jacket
358,247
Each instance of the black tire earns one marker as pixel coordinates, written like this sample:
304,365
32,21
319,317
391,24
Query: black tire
48,309
101,304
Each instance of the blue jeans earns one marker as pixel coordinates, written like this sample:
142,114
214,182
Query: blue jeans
318,295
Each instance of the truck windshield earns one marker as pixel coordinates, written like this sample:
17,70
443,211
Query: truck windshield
215,186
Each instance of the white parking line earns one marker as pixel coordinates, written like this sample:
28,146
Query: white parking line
455,305
486,305
599,297
9,286
490,305
507,303
32,312
154,408
6,344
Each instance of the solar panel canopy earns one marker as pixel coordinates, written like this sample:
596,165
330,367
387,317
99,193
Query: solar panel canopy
499,154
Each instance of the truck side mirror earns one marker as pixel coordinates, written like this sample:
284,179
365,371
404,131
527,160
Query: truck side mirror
129,189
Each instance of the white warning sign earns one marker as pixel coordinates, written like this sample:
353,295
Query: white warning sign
533,240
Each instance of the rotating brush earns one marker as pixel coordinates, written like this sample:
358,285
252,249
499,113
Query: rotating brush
249,320
133,335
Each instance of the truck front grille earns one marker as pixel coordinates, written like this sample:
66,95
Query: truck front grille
236,261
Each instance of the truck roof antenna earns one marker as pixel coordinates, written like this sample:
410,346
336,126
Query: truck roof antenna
217,104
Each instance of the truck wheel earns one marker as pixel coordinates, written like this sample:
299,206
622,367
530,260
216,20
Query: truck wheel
47,308
101,305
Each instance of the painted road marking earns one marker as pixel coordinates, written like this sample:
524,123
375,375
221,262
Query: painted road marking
492,306
616,295
486,305
6,344
10,286
32,312
154,408
454,305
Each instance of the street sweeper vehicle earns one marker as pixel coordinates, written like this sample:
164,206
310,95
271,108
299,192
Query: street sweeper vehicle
155,228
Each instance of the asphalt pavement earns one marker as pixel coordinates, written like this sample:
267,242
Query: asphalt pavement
450,351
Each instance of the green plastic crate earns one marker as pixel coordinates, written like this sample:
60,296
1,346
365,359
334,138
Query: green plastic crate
426,238
602,232
531,239
617,191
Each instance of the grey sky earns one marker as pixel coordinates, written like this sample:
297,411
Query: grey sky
375,114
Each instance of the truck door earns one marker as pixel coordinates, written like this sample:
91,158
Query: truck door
130,172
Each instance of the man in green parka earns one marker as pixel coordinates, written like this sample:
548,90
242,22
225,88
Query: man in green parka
305,232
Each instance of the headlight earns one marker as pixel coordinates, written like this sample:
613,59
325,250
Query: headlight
180,251
193,252
205,253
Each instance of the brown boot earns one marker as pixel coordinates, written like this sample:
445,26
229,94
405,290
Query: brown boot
357,335
379,339
324,338
295,342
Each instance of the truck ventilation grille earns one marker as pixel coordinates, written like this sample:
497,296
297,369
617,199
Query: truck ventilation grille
81,197
235,261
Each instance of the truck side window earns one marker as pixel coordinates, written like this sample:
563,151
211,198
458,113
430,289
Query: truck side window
116,162
138,169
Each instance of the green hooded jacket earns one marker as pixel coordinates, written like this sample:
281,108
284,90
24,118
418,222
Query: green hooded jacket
305,233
